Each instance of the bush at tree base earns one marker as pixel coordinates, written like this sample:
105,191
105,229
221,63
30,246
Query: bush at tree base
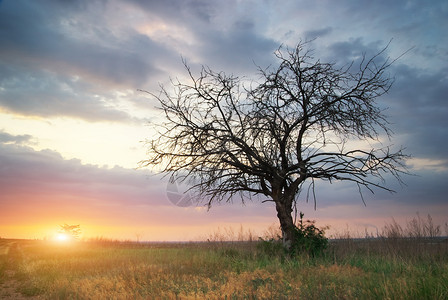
308,239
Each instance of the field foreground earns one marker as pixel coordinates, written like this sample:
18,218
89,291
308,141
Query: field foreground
349,269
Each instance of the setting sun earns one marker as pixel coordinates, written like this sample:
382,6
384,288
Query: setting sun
62,237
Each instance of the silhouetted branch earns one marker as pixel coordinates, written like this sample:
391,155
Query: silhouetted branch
269,138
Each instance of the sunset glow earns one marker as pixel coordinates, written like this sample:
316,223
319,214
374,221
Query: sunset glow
62,237
73,121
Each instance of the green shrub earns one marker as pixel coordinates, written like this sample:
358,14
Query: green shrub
308,238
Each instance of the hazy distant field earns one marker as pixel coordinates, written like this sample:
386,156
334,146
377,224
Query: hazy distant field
349,269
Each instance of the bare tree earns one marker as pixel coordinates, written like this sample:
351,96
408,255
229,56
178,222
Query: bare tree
70,231
268,138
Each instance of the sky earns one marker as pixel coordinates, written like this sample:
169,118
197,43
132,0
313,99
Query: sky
73,122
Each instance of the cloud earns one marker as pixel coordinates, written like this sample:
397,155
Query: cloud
111,45
42,185
72,41
223,35
45,94
418,110
56,60
238,52
197,10
317,33
7,138
46,172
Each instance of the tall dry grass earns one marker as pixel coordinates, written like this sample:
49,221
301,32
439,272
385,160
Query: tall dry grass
228,265
418,240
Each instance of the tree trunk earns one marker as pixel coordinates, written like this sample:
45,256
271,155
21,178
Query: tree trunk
284,214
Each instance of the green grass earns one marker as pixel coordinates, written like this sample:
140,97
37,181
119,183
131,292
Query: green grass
4,251
369,269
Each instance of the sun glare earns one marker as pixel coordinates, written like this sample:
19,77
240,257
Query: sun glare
62,237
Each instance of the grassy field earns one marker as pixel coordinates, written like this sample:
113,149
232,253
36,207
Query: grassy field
349,269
